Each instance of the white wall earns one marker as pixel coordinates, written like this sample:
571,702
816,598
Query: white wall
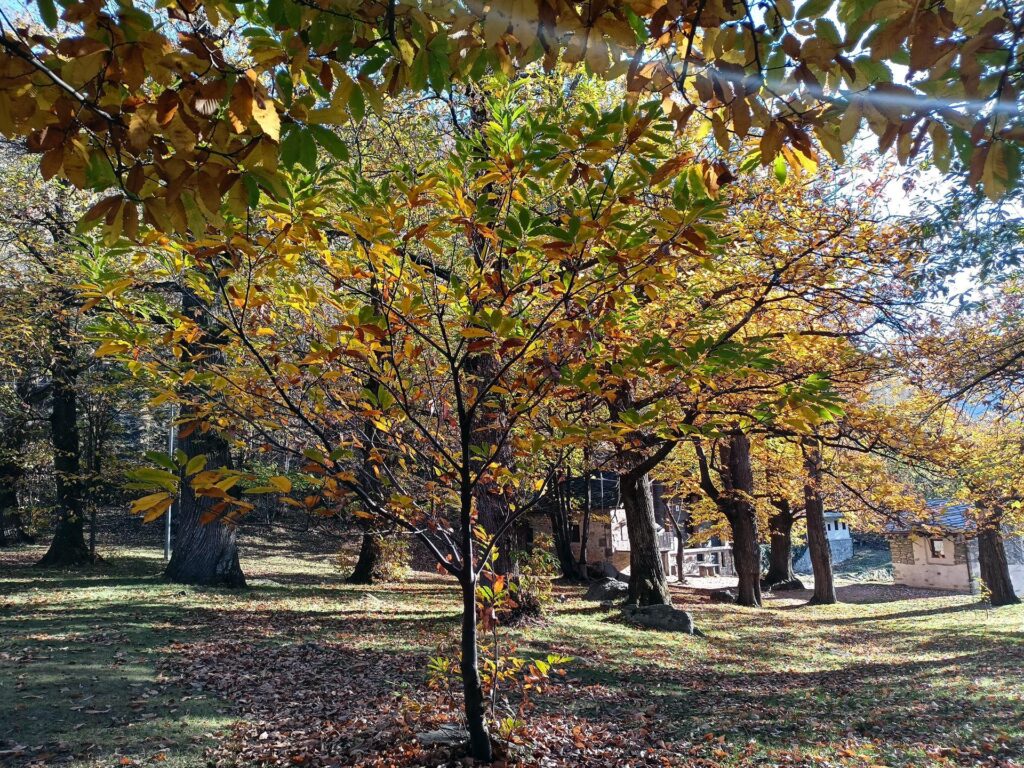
836,529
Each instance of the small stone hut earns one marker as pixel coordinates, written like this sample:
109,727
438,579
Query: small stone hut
941,551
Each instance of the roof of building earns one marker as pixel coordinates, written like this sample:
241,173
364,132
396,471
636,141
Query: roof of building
604,493
944,514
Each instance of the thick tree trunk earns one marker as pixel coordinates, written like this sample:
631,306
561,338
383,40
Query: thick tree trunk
737,502
995,571
647,582
472,688
205,546
817,538
371,559
205,550
780,561
68,547
746,556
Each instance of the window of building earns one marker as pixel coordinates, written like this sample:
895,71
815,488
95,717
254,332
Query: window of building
937,548
574,533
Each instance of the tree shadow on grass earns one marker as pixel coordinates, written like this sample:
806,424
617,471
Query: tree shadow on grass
942,610
897,706
80,684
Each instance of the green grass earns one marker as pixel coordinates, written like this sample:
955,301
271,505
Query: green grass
78,655
112,666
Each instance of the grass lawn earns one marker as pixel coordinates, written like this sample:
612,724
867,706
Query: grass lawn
114,667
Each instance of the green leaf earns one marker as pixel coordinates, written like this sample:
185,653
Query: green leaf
149,476
195,464
162,459
307,150
357,104
813,9
48,12
780,169
872,71
330,141
290,147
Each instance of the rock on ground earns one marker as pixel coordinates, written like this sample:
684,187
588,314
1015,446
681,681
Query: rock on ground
446,735
784,586
663,617
609,589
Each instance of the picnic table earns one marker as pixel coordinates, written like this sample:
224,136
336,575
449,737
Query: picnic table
707,569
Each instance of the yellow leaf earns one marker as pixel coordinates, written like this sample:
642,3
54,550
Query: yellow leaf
995,175
195,464
112,348
281,483
152,506
264,112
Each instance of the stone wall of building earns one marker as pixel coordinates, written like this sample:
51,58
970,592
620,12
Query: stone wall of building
902,549
960,551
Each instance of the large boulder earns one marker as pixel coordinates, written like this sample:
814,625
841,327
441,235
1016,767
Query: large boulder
607,590
784,586
663,617
723,596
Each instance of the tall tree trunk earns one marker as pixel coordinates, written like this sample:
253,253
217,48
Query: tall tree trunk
205,546
817,538
489,428
205,550
371,558
469,664
746,556
647,582
561,530
482,370
737,501
995,571
780,530
68,547
472,688
588,505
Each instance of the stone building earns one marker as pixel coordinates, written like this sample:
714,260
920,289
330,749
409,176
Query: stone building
941,551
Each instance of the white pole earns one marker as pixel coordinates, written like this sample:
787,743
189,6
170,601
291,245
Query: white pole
170,509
